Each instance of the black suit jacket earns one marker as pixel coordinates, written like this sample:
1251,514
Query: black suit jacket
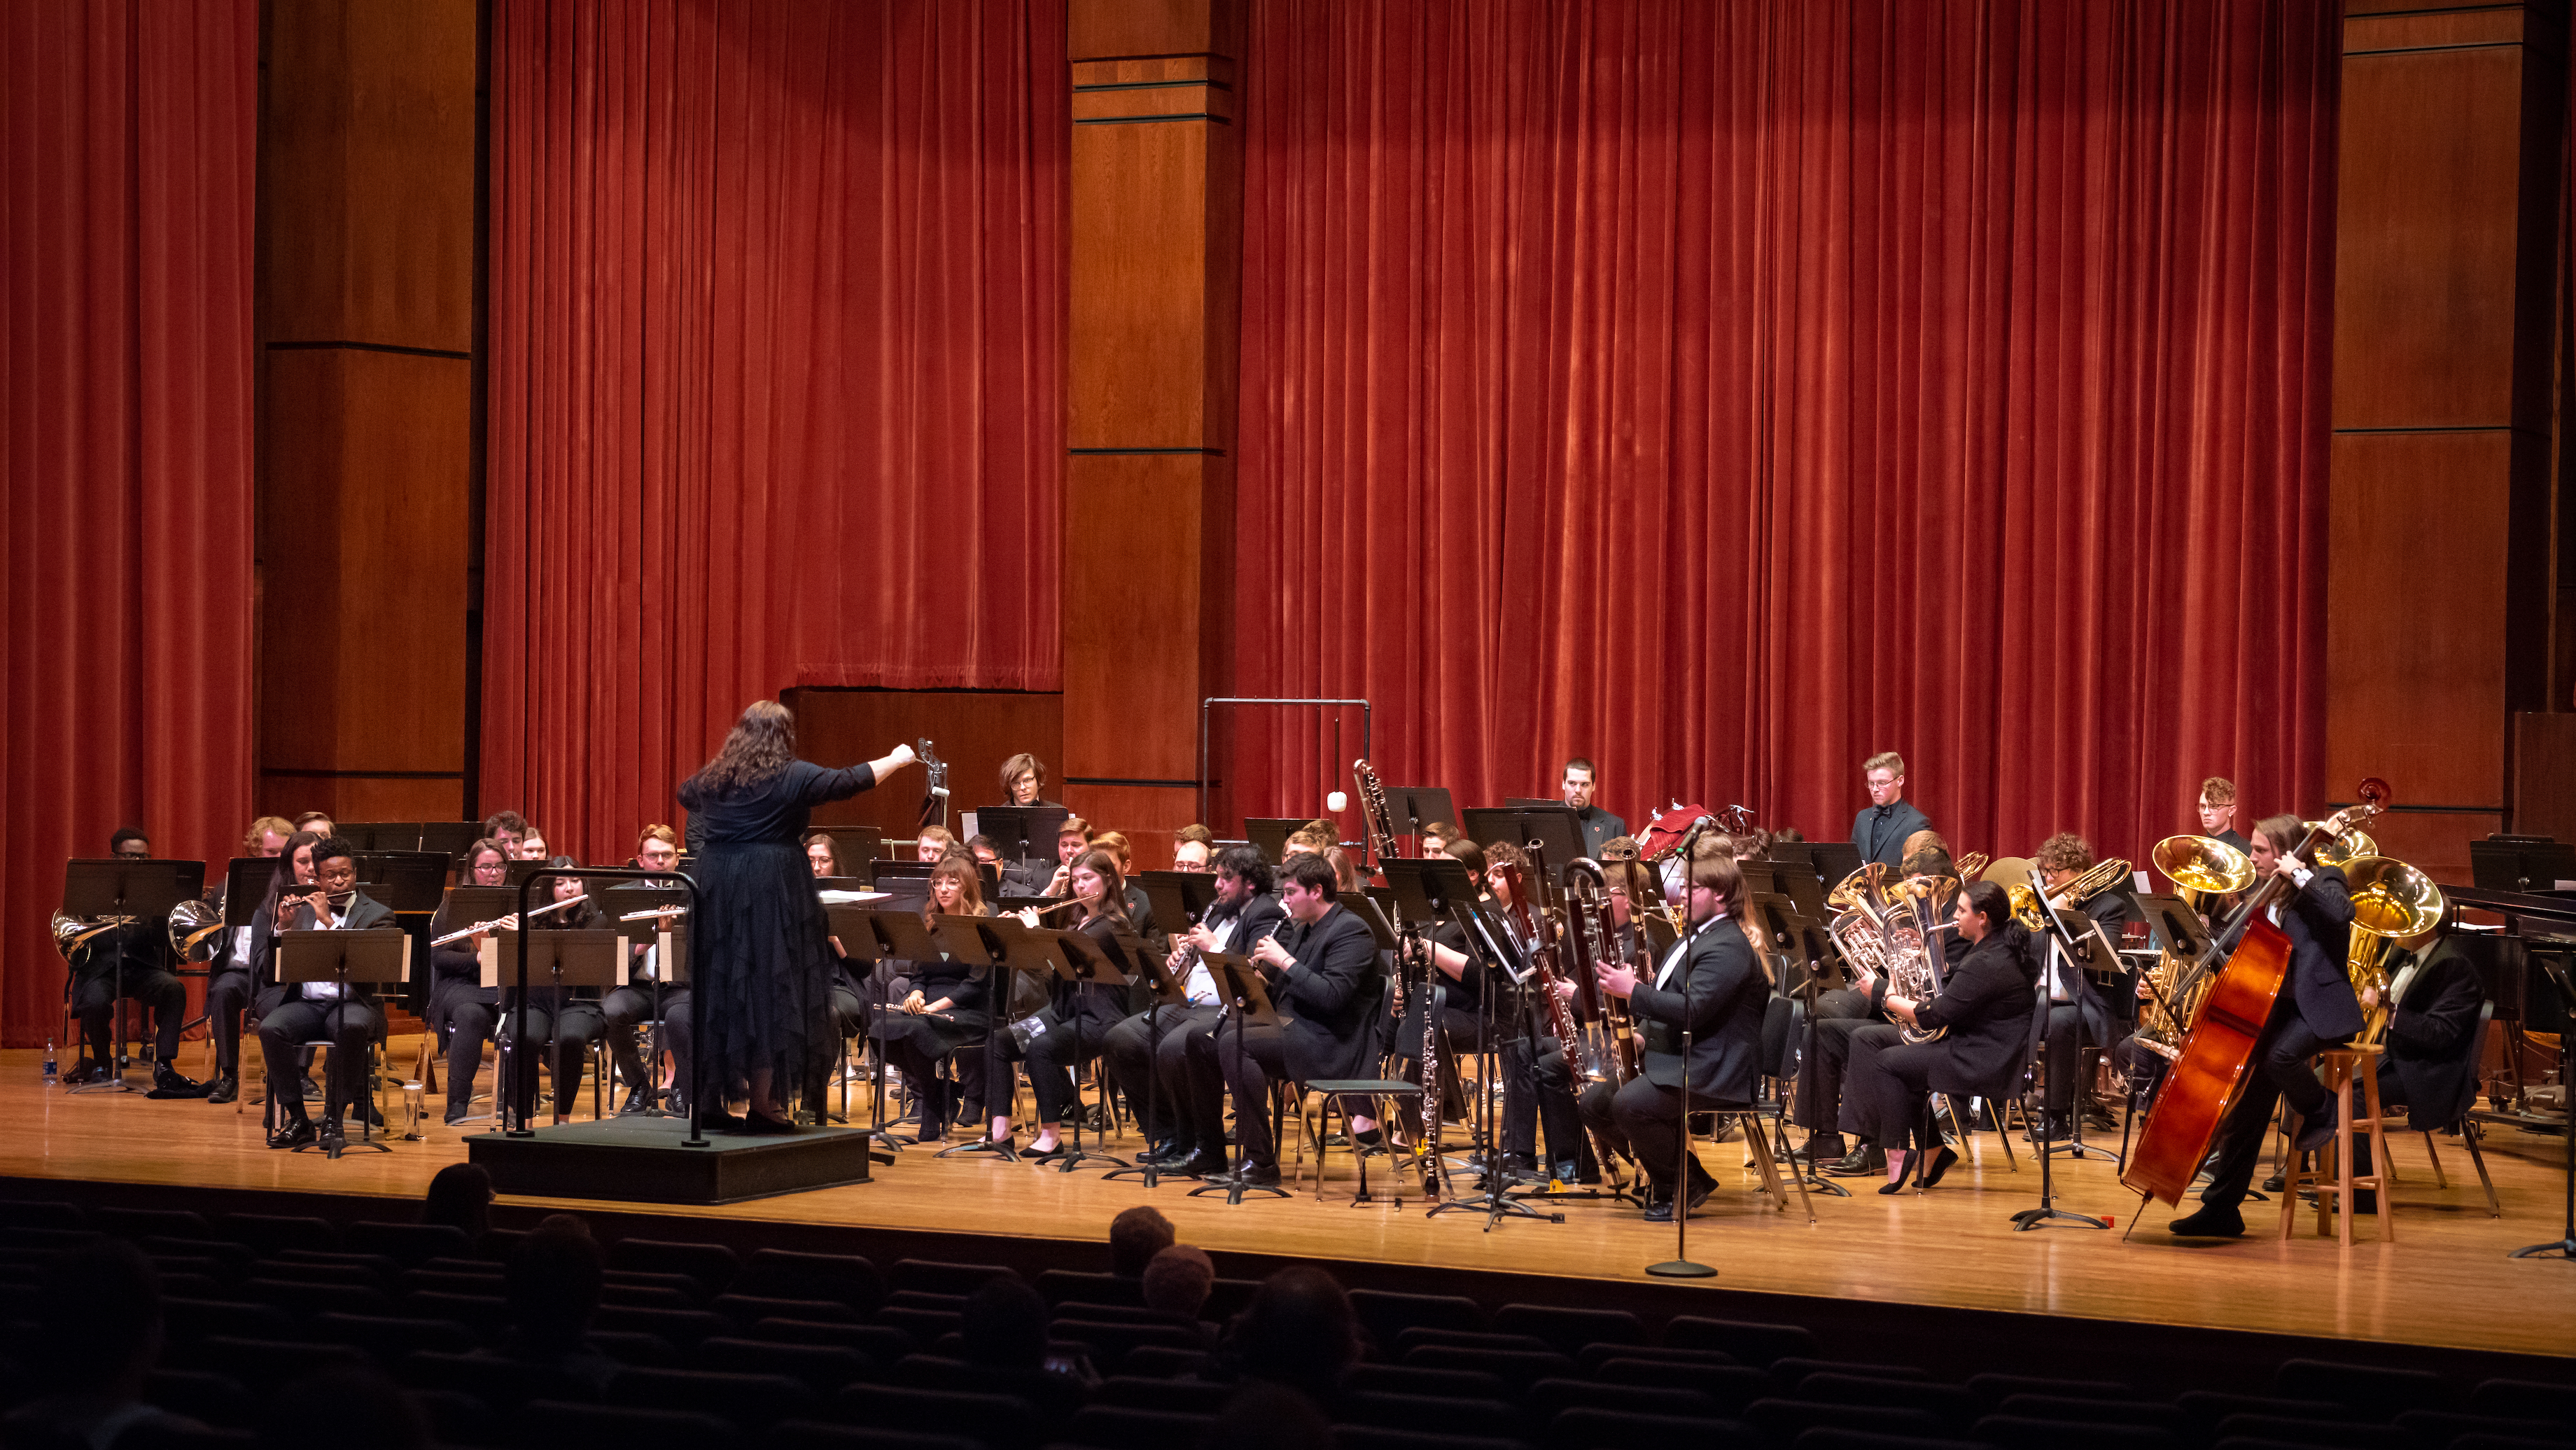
1600,828
2318,921
1330,998
2433,1037
1987,1006
364,913
1885,841
1718,994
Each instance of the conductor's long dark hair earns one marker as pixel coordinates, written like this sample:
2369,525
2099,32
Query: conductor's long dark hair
756,751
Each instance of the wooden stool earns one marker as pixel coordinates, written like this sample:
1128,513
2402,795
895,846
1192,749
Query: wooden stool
2342,1066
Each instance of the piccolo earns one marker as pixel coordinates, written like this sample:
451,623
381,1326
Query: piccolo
504,923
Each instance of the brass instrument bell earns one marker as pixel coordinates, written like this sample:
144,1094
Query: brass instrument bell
2391,901
2342,850
2202,869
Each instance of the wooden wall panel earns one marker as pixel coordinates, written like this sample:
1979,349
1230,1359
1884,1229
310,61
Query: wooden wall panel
367,153
362,798
366,474
974,731
1155,294
2448,196
2415,657
2544,795
364,485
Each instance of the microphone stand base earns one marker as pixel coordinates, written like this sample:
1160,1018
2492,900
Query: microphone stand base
1680,1269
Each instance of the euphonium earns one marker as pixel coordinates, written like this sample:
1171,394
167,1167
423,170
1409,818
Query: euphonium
2202,869
1878,937
196,931
2341,850
2391,901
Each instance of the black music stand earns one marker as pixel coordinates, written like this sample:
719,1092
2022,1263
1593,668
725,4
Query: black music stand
120,886
1414,806
377,956
449,838
411,883
1240,985
1557,829
1269,835
1834,860
854,927
1000,946
2522,863
2565,1246
1022,833
1440,889
567,958
906,882
1771,903
1182,896
1169,991
2062,937
671,957
1091,968
645,897
2086,932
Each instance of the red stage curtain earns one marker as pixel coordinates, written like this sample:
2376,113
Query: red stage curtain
777,338
127,151
1728,392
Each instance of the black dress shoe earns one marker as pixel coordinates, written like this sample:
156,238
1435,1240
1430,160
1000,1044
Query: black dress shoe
297,1132
1823,1148
2049,1127
1261,1175
2212,1222
169,1082
1702,1185
364,1111
2275,1183
1941,1163
458,1112
759,1122
1205,1163
637,1101
224,1089
717,1120
1660,1211
1164,1151
1864,1160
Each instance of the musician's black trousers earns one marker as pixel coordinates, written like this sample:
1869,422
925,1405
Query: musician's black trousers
2065,1021
94,999
579,1025
1642,1120
1153,1065
2281,1074
1538,1083
1889,1085
625,1009
229,994
350,1027
1839,1014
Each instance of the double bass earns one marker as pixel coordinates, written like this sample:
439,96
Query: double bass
2218,1050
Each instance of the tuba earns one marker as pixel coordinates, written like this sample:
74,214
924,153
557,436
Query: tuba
1876,928
2391,901
2203,869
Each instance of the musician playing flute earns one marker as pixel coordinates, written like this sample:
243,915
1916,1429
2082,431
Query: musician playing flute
294,1013
460,1007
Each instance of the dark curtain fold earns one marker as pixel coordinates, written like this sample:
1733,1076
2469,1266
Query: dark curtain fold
127,157
1729,392
777,336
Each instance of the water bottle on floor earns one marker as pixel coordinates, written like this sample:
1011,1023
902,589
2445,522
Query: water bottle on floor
53,1072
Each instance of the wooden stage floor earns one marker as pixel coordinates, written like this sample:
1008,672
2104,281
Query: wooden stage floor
2446,1281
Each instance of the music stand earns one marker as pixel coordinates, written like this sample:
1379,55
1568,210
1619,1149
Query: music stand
1168,991
1240,986
449,838
1019,832
982,941
116,886
2063,939
1090,968
1269,835
1556,828
2521,864
363,835
1182,896
1773,900
671,960
572,957
1834,860
376,956
1414,806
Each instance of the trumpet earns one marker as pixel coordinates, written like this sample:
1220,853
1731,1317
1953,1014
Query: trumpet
506,923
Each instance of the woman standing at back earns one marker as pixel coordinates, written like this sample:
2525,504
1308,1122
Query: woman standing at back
757,948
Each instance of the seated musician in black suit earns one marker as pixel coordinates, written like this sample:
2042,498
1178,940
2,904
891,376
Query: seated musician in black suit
2434,996
1324,981
2077,1013
131,958
1840,1014
294,1013
1986,1007
1710,985
1152,1057
2316,1009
